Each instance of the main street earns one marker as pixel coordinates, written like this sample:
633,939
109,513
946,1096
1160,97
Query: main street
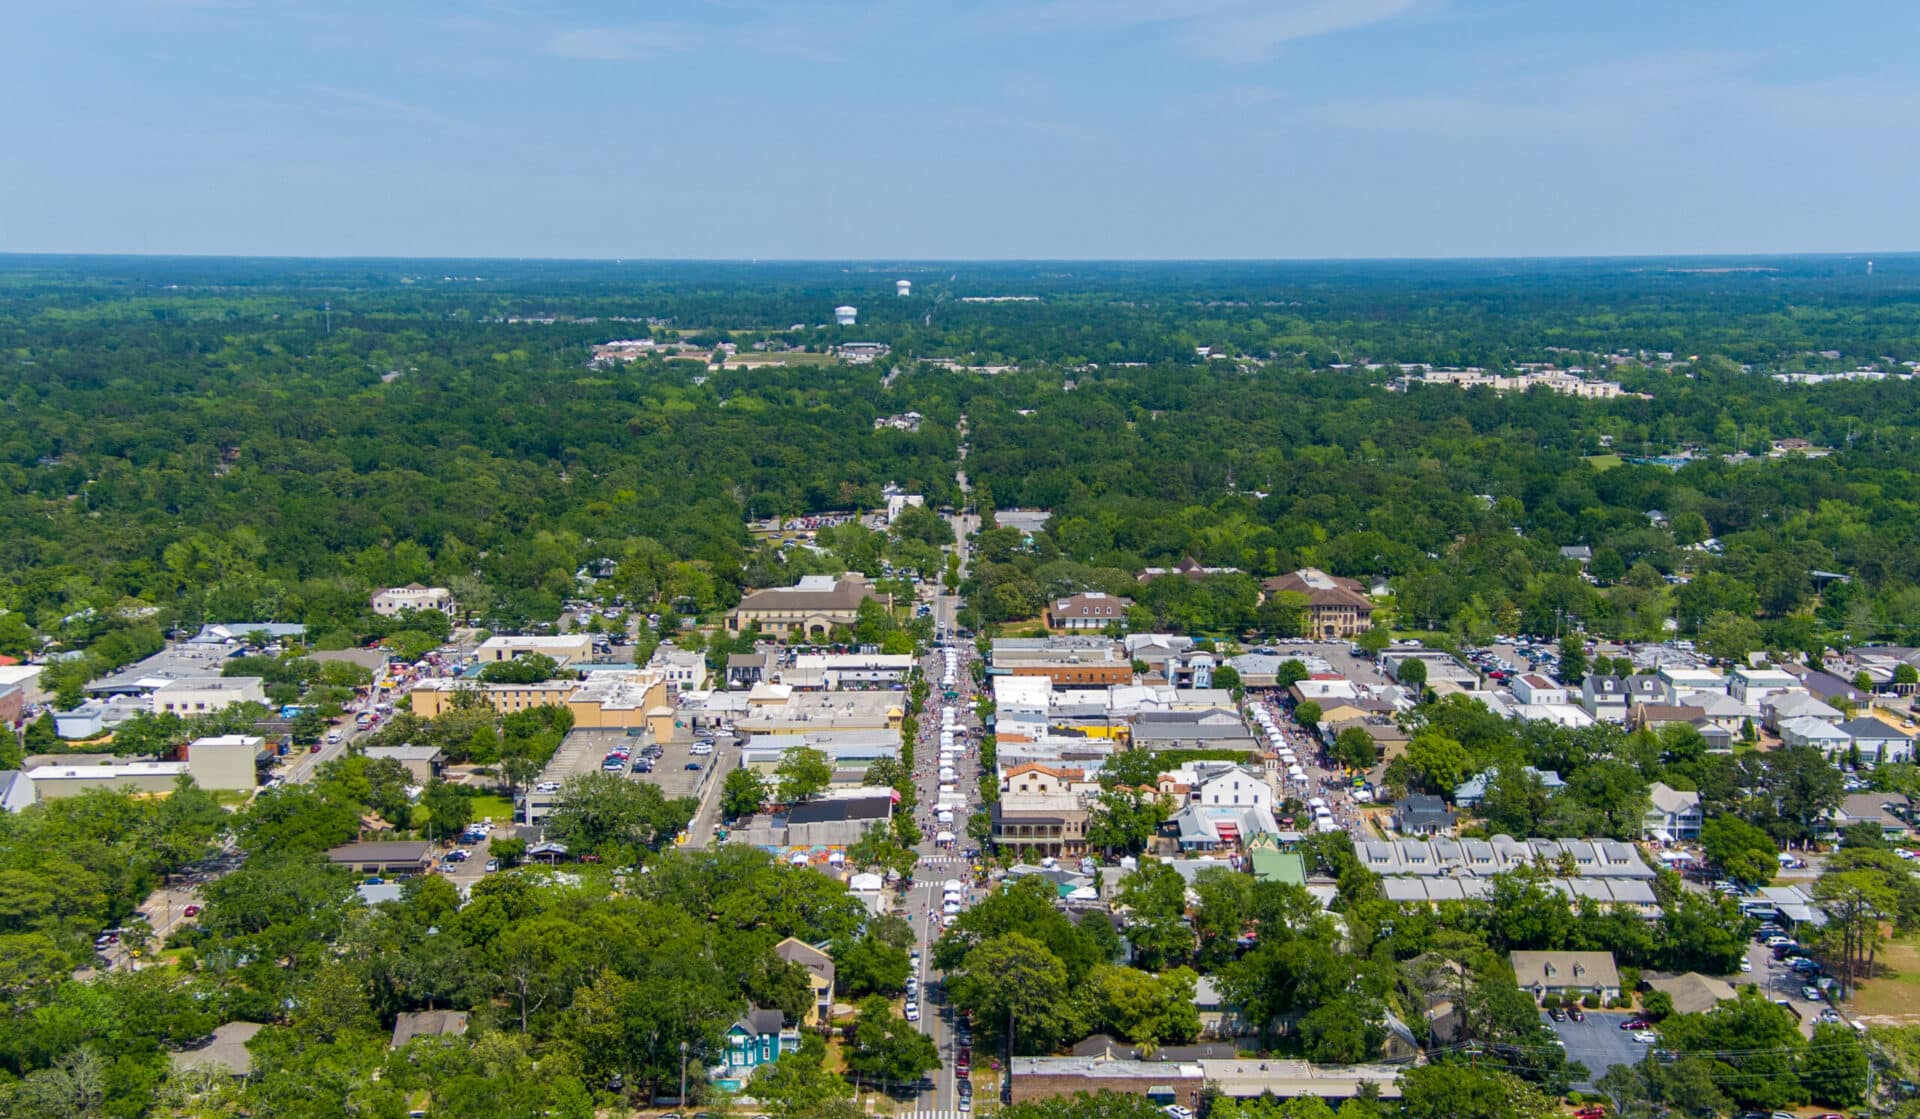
925,900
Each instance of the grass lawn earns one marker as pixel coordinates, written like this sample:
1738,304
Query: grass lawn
491,806
1893,994
1604,462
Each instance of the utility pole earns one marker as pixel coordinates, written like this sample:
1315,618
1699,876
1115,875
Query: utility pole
328,306
683,1074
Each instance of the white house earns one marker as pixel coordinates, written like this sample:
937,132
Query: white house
1784,706
1880,741
1816,733
1672,814
1531,687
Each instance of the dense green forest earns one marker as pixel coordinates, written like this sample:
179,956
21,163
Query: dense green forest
201,440
222,439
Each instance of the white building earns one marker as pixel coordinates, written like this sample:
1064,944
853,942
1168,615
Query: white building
1683,682
1754,686
413,596
563,648
206,695
1531,687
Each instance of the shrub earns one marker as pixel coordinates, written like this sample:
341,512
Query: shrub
1591,1002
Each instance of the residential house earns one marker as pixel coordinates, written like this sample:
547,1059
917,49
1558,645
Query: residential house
1422,814
427,1023
756,1038
1815,734
1579,553
1692,992
1827,687
1566,974
1890,810
1088,610
1337,608
810,609
1613,698
820,976
1469,793
1782,707
1880,740
1672,815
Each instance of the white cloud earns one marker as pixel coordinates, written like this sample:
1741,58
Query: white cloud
618,44
1237,31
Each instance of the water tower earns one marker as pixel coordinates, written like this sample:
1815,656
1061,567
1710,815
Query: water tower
845,316
903,288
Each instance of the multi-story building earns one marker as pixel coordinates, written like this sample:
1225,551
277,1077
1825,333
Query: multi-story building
432,698
393,600
1043,809
810,609
1337,608
1089,610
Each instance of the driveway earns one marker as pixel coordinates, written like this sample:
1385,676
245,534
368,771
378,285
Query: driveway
1598,1043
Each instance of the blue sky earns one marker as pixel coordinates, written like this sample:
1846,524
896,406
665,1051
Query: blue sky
997,129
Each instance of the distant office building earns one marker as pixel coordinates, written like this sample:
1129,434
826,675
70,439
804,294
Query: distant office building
413,596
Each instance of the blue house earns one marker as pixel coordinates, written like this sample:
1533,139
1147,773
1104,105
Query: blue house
757,1038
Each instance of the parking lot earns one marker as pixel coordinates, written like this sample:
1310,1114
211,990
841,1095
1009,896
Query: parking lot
1598,1043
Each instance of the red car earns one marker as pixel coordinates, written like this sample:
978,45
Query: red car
1593,1112
1636,1024
192,911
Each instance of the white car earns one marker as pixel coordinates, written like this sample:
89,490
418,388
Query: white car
913,1013
1746,964
1645,1037
1175,1111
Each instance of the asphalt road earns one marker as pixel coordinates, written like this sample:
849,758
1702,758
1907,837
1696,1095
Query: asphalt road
924,900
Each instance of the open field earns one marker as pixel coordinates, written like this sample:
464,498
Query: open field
1892,996
1603,462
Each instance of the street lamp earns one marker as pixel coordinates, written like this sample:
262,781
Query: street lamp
683,1074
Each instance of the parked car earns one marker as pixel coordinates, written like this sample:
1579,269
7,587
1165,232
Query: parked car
192,911
1635,1024
1557,1014
1576,1014
1645,1037
1594,1111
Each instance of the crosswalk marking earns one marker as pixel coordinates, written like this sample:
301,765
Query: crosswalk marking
950,1114
944,860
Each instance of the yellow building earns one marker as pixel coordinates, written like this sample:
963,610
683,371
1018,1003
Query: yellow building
432,698
810,609
619,699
